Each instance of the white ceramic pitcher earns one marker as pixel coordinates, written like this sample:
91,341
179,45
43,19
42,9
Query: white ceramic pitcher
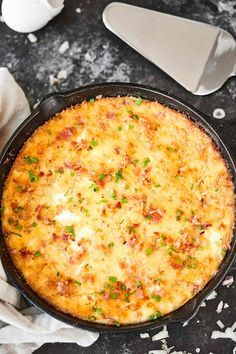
30,15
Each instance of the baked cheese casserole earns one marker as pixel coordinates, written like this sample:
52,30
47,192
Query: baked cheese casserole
118,210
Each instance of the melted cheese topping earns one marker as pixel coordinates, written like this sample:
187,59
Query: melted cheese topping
118,210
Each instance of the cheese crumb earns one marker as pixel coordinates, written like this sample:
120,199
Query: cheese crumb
78,10
32,38
212,295
64,47
144,335
220,307
161,335
228,281
220,324
62,74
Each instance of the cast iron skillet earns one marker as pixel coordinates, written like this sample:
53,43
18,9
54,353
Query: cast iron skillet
56,102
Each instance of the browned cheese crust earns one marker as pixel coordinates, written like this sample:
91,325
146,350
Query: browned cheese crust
118,210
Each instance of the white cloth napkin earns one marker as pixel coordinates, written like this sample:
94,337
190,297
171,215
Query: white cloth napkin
23,329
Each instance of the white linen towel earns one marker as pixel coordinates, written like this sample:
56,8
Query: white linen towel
23,329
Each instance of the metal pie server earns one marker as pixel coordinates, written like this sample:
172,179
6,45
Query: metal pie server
199,56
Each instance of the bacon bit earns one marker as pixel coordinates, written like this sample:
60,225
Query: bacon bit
25,252
14,205
13,251
158,290
203,200
88,277
176,265
104,212
123,264
101,183
49,173
106,296
119,205
66,133
40,149
139,294
133,241
194,220
55,236
67,237
110,115
41,174
82,145
75,167
187,243
98,97
39,208
156,214
62,287
117,150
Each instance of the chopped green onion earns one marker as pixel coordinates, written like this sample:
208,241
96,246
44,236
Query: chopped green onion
103,201
128,110
119,176
85,211
135,117
93,142
179,214
156,297
2,210
157,186
94,187
101,176
124,200
71,230
135,161
131,126
15,233
118,129
32,176
113,196
113,296
72,174
132,229
139,101
111,244
29,160
20,189
113,279
146,162
98,310
148,217
34,224
77,282
155,316
139,284
92,100
38,254
148,251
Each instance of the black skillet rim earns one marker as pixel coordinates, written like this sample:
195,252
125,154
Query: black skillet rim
57,101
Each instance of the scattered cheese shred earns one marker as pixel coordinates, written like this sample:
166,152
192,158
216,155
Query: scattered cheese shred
228,333
161,335
228,281
212,295
220,324
144,335
220,307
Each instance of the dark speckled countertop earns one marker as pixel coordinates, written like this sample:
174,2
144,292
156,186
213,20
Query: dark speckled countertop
96,55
